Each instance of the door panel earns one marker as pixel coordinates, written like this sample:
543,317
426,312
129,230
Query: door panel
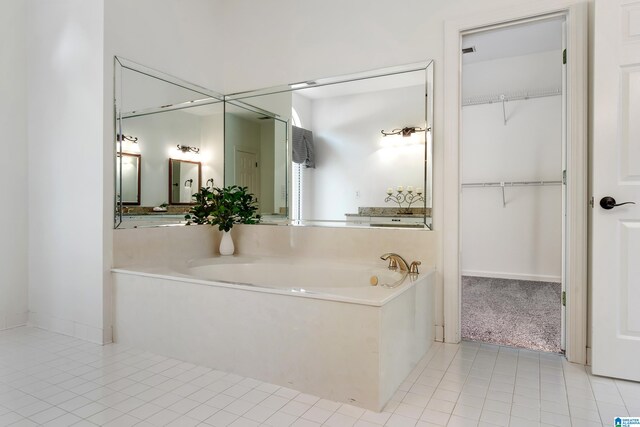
616,173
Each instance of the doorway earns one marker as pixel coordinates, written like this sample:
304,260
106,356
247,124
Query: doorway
512,200
575,234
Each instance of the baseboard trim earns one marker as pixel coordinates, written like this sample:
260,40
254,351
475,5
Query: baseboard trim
512,276
67,327
13,320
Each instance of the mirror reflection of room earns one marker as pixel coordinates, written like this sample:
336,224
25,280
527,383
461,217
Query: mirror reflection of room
256,156
178,133
354,142
352,164
369,138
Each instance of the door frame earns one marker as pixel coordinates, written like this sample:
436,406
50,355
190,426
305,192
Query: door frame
577,150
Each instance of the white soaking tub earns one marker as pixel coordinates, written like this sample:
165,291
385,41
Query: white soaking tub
313,325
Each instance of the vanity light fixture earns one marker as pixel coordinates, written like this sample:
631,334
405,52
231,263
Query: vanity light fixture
121,137
188,149
188,183
405,132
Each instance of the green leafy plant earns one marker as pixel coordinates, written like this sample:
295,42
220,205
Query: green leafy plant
224,207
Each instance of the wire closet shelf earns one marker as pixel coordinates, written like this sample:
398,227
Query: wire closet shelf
503,184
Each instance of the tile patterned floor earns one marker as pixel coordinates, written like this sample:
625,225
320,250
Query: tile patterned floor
54,380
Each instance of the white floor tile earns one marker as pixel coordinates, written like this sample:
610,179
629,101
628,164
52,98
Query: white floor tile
47,415
280,419
397,420
340,420
379,418
259,413
495,418
64,420
58,380
221,419
104,417
435,417
317,414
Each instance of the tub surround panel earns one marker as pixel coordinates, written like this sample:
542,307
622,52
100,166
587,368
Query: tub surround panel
164,245
355,244
167,245
341,351
160,245
406,334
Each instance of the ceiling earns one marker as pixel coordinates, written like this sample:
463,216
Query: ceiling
514,40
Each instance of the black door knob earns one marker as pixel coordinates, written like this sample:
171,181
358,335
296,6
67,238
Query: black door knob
610,203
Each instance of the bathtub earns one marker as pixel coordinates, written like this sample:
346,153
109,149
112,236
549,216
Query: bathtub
316,326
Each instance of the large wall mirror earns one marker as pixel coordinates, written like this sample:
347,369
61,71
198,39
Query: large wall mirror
353,151
361,146
177,130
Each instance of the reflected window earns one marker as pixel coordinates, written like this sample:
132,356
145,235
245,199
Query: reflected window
297,183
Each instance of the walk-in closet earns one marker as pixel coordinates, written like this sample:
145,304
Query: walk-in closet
512,166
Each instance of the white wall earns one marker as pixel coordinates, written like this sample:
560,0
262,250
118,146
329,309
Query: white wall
522,240
65,119
13,164
212,149
355,164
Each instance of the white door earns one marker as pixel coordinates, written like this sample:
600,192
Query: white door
615,274
247,171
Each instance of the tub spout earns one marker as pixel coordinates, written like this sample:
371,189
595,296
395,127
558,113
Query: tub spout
395,261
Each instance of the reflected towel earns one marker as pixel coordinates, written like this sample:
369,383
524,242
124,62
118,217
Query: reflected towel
303,152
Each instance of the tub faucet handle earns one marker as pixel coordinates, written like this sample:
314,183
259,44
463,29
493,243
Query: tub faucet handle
413,268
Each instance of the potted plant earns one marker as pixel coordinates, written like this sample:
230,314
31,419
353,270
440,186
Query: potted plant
224,207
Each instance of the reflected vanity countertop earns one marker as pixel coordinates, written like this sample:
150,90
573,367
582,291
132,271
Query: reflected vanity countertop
148,210
390,211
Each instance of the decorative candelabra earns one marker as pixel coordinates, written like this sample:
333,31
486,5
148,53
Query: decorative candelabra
410,197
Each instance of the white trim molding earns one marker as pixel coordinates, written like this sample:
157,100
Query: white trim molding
512,276
577,200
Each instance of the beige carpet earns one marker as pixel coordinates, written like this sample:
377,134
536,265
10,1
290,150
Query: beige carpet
517,313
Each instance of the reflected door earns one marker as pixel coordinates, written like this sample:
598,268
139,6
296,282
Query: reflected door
247,171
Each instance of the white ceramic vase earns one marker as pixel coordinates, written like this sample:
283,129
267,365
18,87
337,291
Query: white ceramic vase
226,244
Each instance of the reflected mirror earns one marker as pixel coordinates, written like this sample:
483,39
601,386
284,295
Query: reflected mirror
184,181
130,182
